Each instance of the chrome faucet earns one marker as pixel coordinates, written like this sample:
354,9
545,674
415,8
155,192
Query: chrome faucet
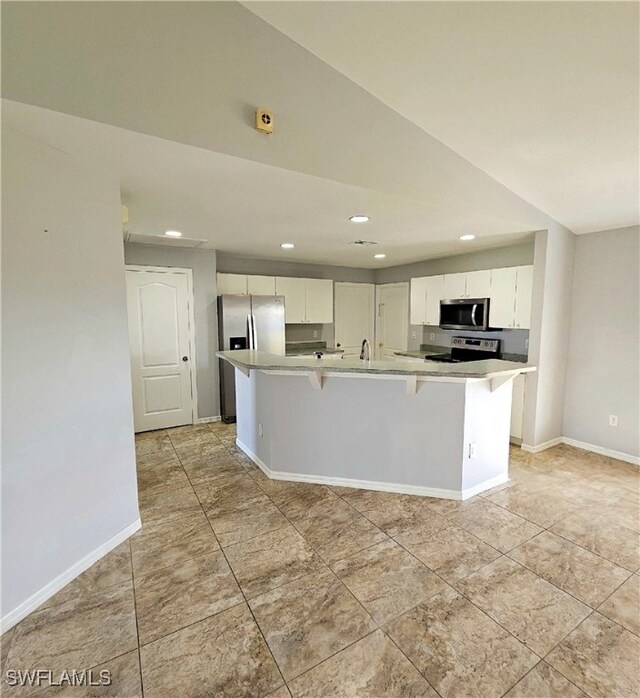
365,352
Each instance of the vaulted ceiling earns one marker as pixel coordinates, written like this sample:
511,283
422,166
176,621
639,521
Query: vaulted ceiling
164,94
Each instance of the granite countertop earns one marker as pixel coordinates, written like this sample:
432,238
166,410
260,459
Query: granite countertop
259,360
297,348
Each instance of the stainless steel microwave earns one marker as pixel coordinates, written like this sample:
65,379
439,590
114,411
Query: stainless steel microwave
464,314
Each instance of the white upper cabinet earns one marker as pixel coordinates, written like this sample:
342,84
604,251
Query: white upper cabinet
318,301
503,297
232,283
479,284
261,285
455,286
293,291
418,301
524,292
435,293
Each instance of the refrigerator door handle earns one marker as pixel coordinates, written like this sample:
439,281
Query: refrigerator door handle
255,334
250,330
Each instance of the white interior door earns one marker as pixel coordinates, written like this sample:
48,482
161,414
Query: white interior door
160,338
354,316
392,319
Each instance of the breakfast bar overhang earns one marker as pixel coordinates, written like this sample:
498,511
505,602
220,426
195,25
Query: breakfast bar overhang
437,430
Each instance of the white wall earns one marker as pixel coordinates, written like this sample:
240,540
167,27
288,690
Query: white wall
68,463
603,375
549,336
203,264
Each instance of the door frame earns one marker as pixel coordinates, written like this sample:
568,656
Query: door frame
372,291
191,322
400,284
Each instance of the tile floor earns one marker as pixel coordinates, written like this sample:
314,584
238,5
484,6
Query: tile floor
238,585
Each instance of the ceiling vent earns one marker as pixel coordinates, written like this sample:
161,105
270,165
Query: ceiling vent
163,240
363,243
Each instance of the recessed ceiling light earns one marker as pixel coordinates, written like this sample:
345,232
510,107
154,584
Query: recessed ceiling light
287,245
468,236
173,233
379,256
359,218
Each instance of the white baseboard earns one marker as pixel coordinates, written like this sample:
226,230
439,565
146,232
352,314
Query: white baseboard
54,586
207,420
541,447
371,484
618,455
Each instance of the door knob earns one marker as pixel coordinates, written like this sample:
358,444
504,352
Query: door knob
185,358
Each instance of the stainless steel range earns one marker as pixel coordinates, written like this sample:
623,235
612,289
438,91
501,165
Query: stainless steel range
468,349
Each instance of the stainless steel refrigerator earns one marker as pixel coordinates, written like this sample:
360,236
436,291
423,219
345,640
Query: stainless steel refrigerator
246,322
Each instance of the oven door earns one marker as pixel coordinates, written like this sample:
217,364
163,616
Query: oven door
464,314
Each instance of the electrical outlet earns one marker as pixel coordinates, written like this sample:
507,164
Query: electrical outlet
413,334
260,430
315,334
613,420
526,343
432,337
472,449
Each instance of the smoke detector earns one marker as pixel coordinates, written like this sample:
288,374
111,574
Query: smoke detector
363,243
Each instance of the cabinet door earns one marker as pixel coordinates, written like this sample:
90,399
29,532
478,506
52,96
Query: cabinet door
524,291
479,284
261,285
232,283
455,286
293,291
435,291
503,297
319,301
417,301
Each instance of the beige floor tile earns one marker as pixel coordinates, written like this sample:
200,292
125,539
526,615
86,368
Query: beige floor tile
246,520
339,532
168,543
5,644
601,658
211,468
192,435
394,513
542,507
543,681
227,492
602,536
124,674
114,568
224,655
623,606
582,574
308,620
156,507
446,507
496,526
387,580
282,692
298,500
451,552
530,608
175,597
272,559
81,633
160,475
460,650
153,442
371,668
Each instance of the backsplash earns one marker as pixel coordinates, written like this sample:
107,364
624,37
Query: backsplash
513,341
305,333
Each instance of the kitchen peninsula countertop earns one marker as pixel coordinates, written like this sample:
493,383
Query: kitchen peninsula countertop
258,360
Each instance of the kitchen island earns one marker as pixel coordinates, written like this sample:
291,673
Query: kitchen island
432,429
